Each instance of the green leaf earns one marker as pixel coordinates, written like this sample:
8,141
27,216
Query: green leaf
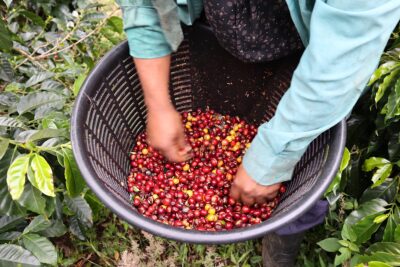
393,102
330,244
382,71
39,223
388,252
6,70
387,191
51,85
16,256
352,246
52,142
378,264
388,258
321,261
81,208
35,135
397,234
16,176
7,205
78,83
374,206
3,147
388,234
44,111
387,82
8,3
38,78
32,199
116,24
373,163
343,165
75,228
242,257
344,255
394,146
50,110
38,99
33,17
11,122
74,181
389,247
60,159
8,99
50,206
43,175
381,174
381,218
6,43
9,236
56,229
10,222
348,233
110,35
41,247
94,16
365,228
95,204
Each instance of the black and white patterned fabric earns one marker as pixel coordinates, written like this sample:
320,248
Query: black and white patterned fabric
253,30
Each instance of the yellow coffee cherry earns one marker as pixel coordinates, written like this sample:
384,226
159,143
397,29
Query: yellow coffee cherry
211,211
189,193
186,167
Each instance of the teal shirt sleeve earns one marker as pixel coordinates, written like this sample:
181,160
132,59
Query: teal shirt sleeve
143,30
345,40
153,27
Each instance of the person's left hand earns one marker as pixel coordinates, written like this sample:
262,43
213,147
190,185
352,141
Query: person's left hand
248,191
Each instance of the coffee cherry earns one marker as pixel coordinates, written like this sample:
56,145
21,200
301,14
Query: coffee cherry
195,194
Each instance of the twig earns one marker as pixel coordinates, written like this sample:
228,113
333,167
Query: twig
22,52
29,57
65,37
37,48
79,41
34,52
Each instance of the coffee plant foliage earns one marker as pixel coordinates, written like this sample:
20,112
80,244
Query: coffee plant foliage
363,226
46,50
48,47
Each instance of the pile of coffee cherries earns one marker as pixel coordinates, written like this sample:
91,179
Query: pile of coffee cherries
195,194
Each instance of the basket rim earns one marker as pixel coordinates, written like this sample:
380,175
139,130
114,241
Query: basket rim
126,212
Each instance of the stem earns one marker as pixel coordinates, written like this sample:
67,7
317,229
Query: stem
34,61
65,37
36,39
38,149
97,29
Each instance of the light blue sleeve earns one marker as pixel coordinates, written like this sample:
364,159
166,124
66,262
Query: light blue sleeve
143,30
346,39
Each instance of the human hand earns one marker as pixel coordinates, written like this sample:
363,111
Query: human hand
165,133
248,191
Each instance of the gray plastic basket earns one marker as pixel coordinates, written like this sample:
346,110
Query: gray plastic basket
110,112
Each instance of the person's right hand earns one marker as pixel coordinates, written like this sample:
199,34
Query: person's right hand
165,133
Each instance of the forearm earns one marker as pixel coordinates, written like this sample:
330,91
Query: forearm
154,77
164,125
